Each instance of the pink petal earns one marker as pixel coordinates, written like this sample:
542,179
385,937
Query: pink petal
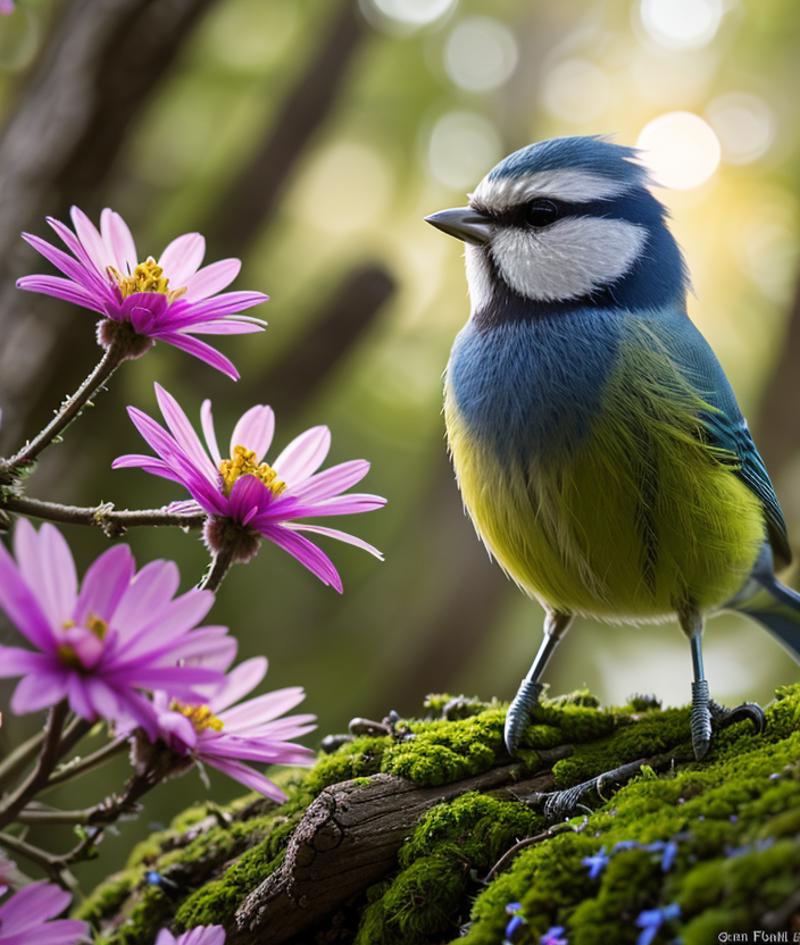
59,288
248,497
149,593
78,696
91,240
231,325
184,433
207,423
156,467
14,661
19,603
212,279
33,693
229,303
254,431
164,625
344,537
255,712
248,777
202,351
204,935
32,905
119,241
104,585
353,503
331,482
46,563
307,553
211,647
181,259
75,246
80,275
304,455
239,682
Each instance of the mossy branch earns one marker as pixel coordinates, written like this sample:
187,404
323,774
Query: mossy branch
414,837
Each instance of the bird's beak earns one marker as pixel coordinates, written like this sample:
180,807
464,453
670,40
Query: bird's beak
464,223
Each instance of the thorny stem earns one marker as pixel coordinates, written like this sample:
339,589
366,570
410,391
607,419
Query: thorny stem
112,522
82,765
219,567
66,413
48,756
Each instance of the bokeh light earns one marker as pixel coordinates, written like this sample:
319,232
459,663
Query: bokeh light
406,14
744,125
681,24
680,150
576,90
346,188
462,146
480,54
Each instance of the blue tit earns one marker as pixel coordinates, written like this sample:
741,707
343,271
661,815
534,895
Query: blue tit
597,443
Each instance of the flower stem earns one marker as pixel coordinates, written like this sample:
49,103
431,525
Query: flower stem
19,758
81,765
219,567
111,521
48,756
66,413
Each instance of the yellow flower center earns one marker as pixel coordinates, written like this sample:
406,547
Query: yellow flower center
200,716
243,463
148,276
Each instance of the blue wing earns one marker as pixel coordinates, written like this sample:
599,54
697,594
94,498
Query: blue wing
726,426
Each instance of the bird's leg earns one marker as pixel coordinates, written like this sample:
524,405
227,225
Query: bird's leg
555,626
708,715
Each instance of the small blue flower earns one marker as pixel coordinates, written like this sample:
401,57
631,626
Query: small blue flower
515,923
554,936
651,920
625,845
668,856
597,862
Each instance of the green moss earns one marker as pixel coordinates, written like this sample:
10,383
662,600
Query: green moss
734,820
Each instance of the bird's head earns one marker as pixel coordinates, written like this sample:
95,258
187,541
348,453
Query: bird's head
566,223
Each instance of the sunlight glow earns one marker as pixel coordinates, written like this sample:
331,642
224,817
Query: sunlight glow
576,90
480,54
680,149
461,149
411,14
745,126
681,24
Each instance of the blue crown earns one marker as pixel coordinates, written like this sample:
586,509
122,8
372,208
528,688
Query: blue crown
590,153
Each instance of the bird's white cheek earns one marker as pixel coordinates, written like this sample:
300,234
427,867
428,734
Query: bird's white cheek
479,277
571,258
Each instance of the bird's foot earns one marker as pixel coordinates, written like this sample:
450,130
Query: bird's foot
559,804
519,712
722,716
709,716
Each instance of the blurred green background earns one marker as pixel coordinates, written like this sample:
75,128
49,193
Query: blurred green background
311,138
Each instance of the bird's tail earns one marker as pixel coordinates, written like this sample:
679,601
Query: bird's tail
777,607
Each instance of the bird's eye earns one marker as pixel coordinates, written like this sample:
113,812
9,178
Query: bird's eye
541,212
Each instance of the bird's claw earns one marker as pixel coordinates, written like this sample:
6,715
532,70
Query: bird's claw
722,716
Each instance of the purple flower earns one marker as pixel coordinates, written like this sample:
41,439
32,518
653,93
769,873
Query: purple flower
668,855
596,863
28,916
171,300
201,935
651,920
6,7
554,936
228,737
247,498
99,645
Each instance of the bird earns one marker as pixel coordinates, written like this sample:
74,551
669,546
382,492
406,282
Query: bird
597,443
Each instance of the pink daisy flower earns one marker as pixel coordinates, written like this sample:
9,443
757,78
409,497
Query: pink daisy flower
170,300
99,645
6,7
200,935
229,737
247,498
28,916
